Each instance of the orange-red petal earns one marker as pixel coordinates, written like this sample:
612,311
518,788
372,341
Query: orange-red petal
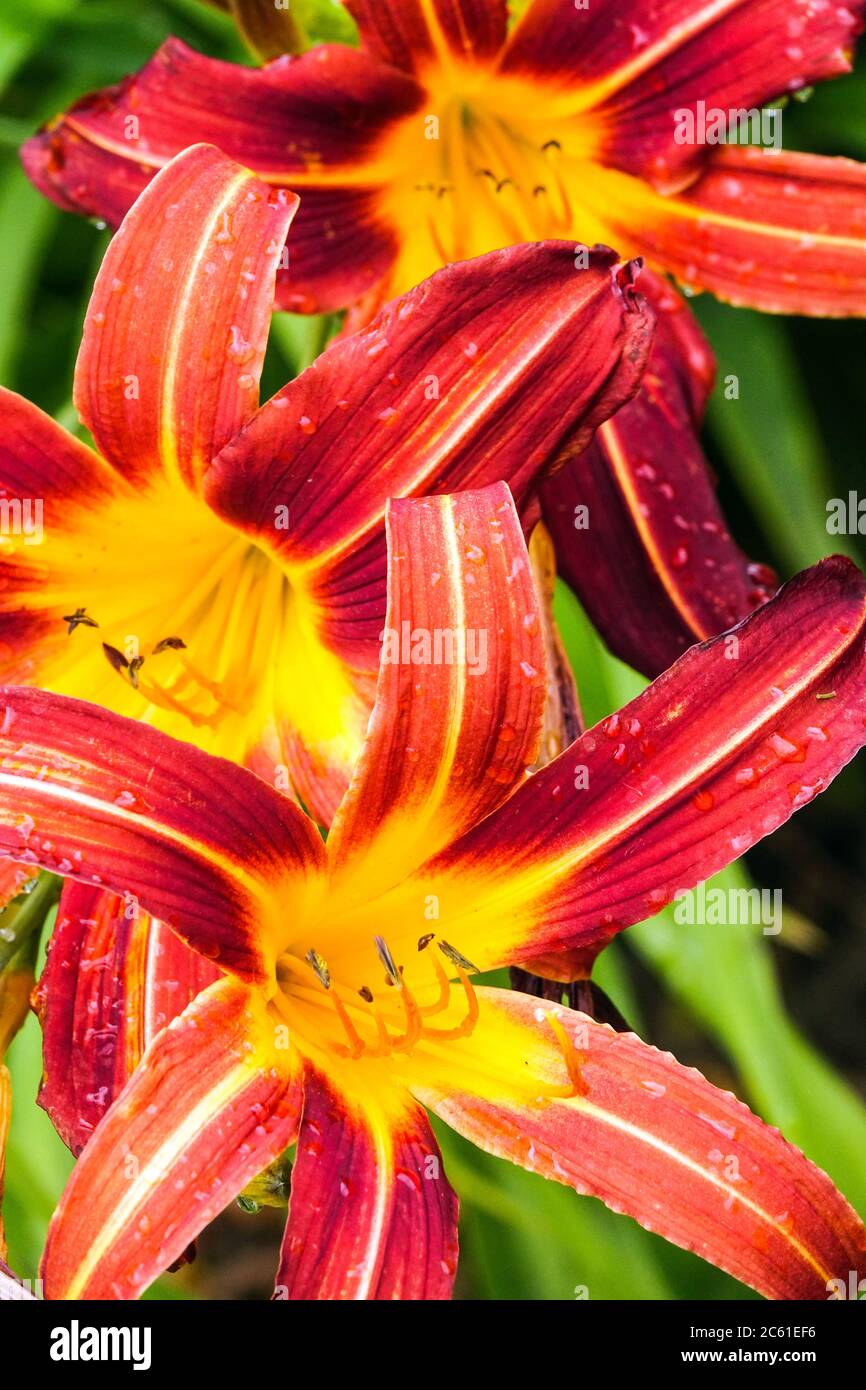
720,750
211,1104
415,34
462,684
372,1214
175,335
638,530
310,124
773,230
202,844
652,1139
114,978
494,369
637,69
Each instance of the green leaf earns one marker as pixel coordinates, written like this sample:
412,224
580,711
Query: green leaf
769,436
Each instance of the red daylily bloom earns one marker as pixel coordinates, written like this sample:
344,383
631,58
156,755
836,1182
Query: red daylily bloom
347,1002
442,138
229,561
446,137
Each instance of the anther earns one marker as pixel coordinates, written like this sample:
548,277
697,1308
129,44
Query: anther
456,957
424,941
79,618
319,966
387,960
175,644
115,658
552,145
366,993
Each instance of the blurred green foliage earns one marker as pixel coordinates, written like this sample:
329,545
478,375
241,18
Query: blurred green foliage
792,440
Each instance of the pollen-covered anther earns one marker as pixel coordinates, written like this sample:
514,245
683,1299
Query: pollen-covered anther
319,966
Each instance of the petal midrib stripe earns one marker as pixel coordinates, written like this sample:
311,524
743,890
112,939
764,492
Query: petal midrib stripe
364,174
450,436
730,1189
592,93
610,440
162,1162
569,861
132,820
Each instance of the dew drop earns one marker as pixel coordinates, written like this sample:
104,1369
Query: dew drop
680,557
239,348
785,750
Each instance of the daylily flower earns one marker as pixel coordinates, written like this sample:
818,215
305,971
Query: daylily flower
446,137
347,1002
219,570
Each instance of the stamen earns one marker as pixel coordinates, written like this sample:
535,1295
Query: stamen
567,211
462,1030
214,688
570,1057
353,1015
160,696
444,991
170,698
357,1046
384,1048
414,1027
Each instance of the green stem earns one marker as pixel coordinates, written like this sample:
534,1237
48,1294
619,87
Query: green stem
25,915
